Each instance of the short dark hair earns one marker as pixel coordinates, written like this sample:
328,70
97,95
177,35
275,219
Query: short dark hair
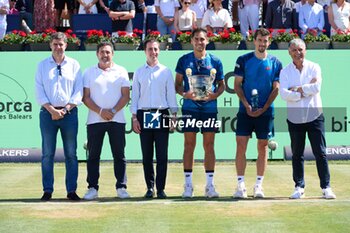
58,36
261,32
198,30
151,40
103,44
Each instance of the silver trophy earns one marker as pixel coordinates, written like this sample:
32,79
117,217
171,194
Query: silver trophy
200,84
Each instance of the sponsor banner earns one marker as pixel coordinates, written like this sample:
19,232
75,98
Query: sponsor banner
24,155
332,152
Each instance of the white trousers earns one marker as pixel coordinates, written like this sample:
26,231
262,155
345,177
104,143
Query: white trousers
2,32
248,16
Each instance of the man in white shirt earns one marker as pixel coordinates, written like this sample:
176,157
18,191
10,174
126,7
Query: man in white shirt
106,92
59,86
311,17
153,94
300,86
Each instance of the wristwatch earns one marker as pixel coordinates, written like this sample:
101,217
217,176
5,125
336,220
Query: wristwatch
114,111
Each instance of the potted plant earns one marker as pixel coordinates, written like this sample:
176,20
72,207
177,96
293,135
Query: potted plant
341,40
162,39
73,42
314,40
283,37
126,41
228,39
39,41
94,37
13,41
185,40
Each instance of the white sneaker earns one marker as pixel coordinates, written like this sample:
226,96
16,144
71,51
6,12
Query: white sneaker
298,193
122,193
241,191
188,191
210,192
328,193
91,194
258,191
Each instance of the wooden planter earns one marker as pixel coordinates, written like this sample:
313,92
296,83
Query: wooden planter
282,45
124,47
72,47
186,46
318,45
90,47
39,47
11,47
226,46
250,45
340,45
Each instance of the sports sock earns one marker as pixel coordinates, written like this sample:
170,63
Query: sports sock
259,180
210,177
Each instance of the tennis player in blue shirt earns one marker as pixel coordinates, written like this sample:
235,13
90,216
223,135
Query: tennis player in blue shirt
255,73
199,62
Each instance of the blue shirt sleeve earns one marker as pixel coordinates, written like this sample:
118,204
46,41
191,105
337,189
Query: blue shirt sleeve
239,67
179,67
278,68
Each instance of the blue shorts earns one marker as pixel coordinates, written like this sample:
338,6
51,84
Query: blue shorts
199,116
262,126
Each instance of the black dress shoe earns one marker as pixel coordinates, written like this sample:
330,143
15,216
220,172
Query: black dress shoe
73,196
46,196
161,194
149,193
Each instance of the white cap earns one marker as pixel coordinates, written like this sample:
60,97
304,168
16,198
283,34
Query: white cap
254,92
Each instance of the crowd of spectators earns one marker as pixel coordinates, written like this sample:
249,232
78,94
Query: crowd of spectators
330,16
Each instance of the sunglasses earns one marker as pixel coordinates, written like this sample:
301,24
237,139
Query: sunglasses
187,3
59,70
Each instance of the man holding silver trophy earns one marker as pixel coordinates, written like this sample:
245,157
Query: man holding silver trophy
200,81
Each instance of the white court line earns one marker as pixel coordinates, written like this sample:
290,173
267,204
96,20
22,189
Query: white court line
178,202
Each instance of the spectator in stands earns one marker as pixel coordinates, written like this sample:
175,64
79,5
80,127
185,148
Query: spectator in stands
248,14
87,6
104,5
339,16
311,17
166,11
298,5
325,4
185,19
140,6
122,12
25,8
280,14
60,6
4,10
216,18
44,14
199,7
13,10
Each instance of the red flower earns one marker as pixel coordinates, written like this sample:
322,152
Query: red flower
23,34
69,31
271,30
188,33
121,33
232,30
14,31
172,32
281,31
74,36
44,35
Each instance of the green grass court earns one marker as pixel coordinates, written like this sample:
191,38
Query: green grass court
21,210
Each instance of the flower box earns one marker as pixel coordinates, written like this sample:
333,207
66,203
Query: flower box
72,47
250,45
282,45
39,47
90,46
226,46
318,45
11,47
340,45
124,47
186,46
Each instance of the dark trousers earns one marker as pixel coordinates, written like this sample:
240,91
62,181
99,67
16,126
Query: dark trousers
116,134
315,133
158,139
